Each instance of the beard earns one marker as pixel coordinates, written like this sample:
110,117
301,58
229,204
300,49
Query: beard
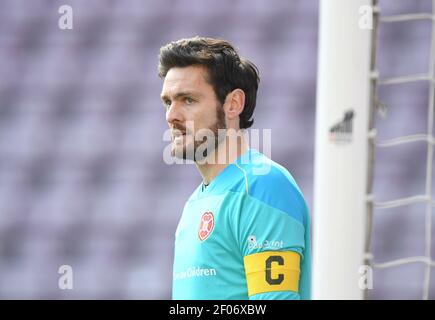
189,151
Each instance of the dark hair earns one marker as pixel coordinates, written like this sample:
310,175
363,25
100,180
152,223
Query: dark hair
227,71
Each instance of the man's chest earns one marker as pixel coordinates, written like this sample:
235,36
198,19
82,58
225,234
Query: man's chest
204,232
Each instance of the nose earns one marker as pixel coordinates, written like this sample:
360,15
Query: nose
174,114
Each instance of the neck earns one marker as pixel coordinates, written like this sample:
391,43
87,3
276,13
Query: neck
224,155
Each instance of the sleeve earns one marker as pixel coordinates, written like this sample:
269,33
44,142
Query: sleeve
271,237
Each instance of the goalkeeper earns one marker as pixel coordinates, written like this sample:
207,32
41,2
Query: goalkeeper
245,231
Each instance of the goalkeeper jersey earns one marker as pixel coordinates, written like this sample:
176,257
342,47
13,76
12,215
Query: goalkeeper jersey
244,236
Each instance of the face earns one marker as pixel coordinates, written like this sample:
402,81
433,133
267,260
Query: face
191,109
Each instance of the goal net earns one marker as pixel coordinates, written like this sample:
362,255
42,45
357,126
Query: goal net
373,194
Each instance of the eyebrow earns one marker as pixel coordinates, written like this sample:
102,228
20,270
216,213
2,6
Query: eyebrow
181,95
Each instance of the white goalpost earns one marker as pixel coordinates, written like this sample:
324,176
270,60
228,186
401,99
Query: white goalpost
341,150
346,141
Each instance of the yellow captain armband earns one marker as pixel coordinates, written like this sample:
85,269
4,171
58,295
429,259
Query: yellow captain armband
272,271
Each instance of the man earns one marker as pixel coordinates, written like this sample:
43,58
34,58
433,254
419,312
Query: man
244,232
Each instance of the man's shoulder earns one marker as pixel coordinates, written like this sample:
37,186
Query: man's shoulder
273,185
264,174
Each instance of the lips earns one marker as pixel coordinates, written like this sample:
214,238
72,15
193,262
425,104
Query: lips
178,137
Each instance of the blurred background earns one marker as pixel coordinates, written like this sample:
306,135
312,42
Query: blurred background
82,177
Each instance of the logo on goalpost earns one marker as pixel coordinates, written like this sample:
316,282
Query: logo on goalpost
341,132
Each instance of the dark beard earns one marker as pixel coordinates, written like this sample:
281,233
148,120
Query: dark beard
211,145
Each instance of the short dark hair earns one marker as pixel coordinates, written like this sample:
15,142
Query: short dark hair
227,71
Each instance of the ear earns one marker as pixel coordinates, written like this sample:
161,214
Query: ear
234,104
